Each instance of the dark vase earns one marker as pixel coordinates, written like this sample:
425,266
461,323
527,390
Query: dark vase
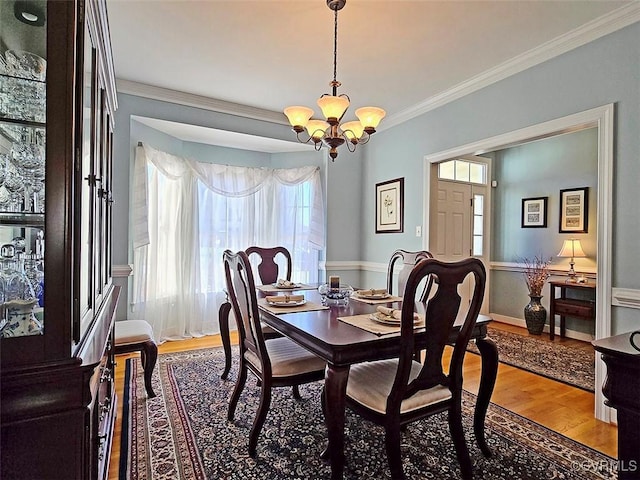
535,315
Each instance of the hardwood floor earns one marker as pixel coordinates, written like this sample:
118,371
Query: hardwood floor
557,406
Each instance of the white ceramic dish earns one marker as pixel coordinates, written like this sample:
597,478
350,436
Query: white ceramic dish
385,319
376,296
388,320
287,304
293,286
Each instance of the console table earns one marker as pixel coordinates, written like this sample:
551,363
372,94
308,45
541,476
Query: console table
622,390
569,307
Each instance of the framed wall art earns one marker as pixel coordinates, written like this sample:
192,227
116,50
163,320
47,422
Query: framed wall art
534,212
390,206
574,210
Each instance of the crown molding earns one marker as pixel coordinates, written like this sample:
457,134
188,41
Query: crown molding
588,32
191,100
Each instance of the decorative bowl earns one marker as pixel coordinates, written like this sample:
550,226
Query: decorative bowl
335,296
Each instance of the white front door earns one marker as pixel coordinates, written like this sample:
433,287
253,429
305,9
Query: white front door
459,227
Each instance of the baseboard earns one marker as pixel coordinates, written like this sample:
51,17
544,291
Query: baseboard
518,322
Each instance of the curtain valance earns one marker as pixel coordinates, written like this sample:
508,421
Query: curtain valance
230,181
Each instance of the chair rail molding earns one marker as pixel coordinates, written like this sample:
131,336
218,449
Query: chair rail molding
121,271
625,297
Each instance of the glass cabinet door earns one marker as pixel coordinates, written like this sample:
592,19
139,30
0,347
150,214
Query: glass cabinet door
23,89
86,187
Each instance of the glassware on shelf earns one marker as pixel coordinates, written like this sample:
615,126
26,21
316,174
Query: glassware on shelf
21,319
17,294
22,99
25,65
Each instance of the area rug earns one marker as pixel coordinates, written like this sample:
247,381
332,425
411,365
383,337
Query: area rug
183,433
559,362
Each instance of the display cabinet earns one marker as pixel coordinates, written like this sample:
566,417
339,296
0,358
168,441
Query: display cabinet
57,301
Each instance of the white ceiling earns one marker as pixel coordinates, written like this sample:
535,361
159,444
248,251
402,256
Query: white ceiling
395,54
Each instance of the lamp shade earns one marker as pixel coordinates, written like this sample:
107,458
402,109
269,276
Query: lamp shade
316,128
370,117
571,248
298,116
353,130
333,107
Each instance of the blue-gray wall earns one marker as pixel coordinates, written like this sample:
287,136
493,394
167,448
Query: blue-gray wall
604,71
542,169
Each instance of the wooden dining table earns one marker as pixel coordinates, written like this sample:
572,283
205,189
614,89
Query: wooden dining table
342,345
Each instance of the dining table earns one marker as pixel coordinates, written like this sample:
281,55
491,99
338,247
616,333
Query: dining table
325,332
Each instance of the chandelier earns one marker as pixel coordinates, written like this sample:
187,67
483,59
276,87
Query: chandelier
331,132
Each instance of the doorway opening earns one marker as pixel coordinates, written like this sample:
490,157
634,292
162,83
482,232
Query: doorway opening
603,119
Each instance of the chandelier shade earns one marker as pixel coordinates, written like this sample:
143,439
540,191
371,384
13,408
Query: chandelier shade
370,117
332,107
316,129
352,130
298,116
330,132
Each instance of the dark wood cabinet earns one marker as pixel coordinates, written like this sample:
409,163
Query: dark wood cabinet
622,390
57,100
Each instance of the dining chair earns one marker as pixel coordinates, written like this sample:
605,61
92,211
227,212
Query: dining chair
278,362
268,272
409,260
398,391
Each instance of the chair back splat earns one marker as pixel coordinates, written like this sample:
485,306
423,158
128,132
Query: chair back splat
408,260
268,270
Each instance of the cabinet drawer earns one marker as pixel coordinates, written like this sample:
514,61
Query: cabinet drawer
571,307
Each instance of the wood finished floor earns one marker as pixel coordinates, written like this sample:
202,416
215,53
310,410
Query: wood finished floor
562,408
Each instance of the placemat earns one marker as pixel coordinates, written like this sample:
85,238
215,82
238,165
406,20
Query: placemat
271,288
391,298
364,322
307,307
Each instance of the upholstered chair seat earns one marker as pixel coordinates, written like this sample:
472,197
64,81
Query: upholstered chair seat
370,385
137,336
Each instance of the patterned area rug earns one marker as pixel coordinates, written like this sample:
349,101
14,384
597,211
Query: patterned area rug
569,365
183,434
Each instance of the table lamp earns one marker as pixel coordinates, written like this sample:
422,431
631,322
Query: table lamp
571,248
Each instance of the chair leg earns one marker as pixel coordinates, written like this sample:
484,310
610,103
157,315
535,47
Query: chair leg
457,434
223,320
296,392
261,415
394,456
149,358
240,381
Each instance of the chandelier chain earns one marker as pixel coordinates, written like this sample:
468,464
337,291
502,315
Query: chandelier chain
335,47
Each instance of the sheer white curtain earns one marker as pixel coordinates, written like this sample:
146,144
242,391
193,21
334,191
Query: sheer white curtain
186,213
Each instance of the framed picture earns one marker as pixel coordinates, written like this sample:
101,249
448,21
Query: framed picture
574,210
534,212
390,206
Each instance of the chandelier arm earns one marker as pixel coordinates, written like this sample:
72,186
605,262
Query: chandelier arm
350,145
364,138
303,141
